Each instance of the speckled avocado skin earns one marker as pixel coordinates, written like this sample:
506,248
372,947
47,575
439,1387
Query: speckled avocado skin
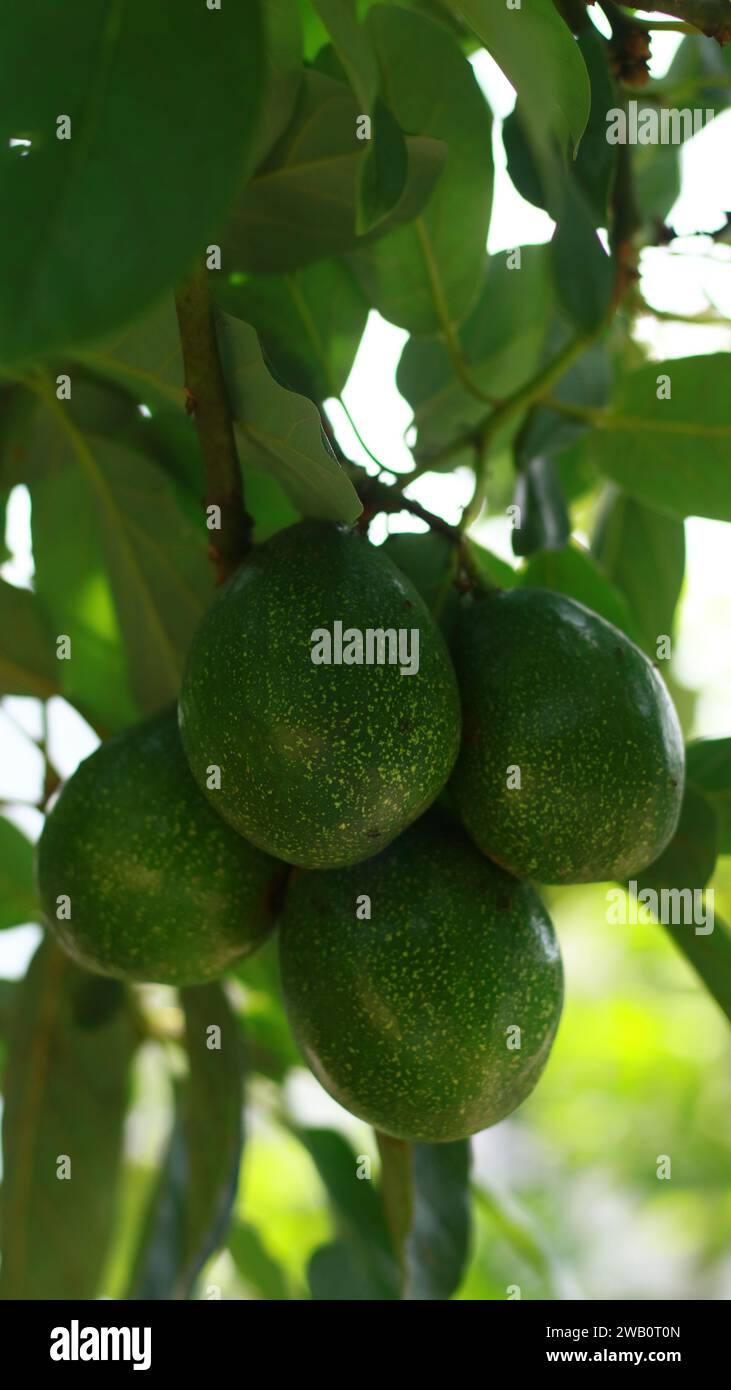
321,765
161,888
552,688
404,1018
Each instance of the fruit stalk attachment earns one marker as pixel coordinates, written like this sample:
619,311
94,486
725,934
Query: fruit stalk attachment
397,1190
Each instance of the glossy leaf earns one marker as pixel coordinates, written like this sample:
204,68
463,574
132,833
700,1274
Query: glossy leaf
538,54
70,1047
642,551
708,769
357,1209
279,432
438,1246
18,901
573,572
429,272
142,95
191,1208
309,322
544,520
310,182
672,454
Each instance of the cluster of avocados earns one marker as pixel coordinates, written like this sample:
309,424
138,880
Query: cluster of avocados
421,972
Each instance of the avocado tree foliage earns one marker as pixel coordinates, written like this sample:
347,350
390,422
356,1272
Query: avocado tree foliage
201,209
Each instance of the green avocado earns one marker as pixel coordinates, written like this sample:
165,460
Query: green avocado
321,764
406,978
572,765
160,888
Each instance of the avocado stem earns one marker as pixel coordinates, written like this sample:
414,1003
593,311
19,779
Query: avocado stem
207,402
397,1191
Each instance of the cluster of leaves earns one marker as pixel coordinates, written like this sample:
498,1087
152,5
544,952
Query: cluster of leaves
245,140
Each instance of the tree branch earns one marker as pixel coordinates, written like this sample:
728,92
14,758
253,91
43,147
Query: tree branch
208,403
381,497
711,17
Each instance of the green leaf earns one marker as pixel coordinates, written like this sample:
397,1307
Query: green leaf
575,194
643,553
310,182
688,863
538,55
282,74
309,322
279,432
357,1208
141,182
583,272
572,571
144,358
428,273
672,454
269,1044
587,383
708,769
690,858
656,178
500,341
593,168
72,1038
255,1265
190,1211
426,558
28,663
337,1273
123,519
383,171
18,900
543,518
710,957
353,47
269,505
438,1245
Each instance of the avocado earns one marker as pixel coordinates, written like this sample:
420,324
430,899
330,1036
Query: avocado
405,980
572,764
326,751
160,888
